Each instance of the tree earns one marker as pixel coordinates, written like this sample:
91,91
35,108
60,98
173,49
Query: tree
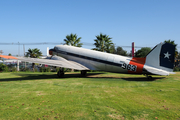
119,51
129,54
172,42
33,53
103,43
113,49
73,40
9,54
142,52
178,56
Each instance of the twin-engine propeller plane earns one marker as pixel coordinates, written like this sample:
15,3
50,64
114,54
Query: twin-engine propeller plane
160,61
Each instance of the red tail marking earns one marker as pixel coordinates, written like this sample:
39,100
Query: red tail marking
139,62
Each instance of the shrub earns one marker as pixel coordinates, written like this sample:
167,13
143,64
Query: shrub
25,69
47,69
57,69
3,67
42,69
176,69
35,70
13,69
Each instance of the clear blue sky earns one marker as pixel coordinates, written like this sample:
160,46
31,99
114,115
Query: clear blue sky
145,22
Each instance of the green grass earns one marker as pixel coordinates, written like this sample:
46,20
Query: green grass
98,96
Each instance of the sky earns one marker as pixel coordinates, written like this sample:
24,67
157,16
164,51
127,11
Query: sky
145,22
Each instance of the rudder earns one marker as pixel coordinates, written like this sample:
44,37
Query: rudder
167,55
162,57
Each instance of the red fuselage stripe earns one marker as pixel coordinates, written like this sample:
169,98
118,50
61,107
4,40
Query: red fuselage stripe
139,62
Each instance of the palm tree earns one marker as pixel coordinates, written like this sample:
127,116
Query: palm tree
33,53
103,43
73,40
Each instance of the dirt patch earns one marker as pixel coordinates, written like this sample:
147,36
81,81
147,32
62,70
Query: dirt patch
77,83
114,116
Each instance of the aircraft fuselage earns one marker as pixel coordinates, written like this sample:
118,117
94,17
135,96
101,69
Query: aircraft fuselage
95,60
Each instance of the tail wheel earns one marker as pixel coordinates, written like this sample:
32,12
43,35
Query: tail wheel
150,77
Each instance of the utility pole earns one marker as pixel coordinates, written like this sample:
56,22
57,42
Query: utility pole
18,55
1,52
133,49
24,56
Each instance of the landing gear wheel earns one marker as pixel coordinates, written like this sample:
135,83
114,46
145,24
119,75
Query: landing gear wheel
60,73
150,77
83,72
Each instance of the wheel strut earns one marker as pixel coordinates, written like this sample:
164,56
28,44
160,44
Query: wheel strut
60,73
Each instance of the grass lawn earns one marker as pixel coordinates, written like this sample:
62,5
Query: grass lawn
98,96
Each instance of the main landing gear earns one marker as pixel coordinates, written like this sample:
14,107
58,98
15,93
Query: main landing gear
60,73
83,72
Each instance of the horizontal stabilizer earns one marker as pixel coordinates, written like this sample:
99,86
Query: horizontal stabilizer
156,71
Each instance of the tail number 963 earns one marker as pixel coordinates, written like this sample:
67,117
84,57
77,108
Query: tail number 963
129,67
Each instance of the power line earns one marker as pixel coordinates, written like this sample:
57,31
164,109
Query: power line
57,43
42,43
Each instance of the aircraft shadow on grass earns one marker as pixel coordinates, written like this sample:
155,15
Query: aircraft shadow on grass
26,76
89,75
139,79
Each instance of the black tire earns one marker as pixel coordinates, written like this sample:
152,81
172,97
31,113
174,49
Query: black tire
83,72
60,74
150,77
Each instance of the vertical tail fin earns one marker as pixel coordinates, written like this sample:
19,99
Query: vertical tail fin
167,55
162,57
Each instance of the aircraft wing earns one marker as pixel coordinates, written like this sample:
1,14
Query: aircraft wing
57,63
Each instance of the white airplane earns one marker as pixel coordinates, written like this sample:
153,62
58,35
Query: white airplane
160,61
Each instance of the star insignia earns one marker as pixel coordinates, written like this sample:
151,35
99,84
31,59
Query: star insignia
166,55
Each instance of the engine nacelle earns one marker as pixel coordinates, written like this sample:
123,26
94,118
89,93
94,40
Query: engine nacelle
52,51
